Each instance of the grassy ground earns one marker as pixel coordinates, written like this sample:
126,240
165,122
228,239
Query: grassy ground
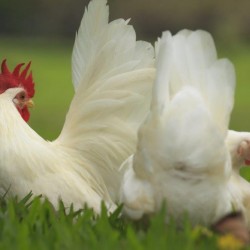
24,225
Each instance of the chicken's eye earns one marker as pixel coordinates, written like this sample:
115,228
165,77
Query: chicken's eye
21,96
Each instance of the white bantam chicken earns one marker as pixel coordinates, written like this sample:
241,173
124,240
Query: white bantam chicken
112,76
182,157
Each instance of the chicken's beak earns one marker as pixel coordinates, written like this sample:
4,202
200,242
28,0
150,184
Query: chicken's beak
30,103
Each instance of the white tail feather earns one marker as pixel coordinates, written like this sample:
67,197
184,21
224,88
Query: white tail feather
181,153
113,77
164,67
194,92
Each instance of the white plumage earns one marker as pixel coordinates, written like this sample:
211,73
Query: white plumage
112,75
182,157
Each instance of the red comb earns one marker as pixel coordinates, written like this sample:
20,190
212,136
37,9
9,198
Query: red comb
16,78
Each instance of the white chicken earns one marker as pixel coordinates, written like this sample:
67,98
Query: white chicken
112,76
182,157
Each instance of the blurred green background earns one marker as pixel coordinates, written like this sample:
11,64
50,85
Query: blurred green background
43,32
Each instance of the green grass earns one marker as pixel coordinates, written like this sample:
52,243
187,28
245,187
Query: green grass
25,225
29,225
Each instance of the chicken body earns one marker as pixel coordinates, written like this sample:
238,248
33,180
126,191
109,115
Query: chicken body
29,163
182,157
112,75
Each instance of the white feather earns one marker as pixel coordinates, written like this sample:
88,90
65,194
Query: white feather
112,75
164,66
181,154
29,163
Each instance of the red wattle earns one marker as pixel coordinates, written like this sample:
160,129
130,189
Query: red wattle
24,113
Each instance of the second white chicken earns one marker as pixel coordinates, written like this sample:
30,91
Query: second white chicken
182,157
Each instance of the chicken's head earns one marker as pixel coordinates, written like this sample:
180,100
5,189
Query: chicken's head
15,79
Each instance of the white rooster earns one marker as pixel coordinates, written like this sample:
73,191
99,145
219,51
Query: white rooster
182,157
112,76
